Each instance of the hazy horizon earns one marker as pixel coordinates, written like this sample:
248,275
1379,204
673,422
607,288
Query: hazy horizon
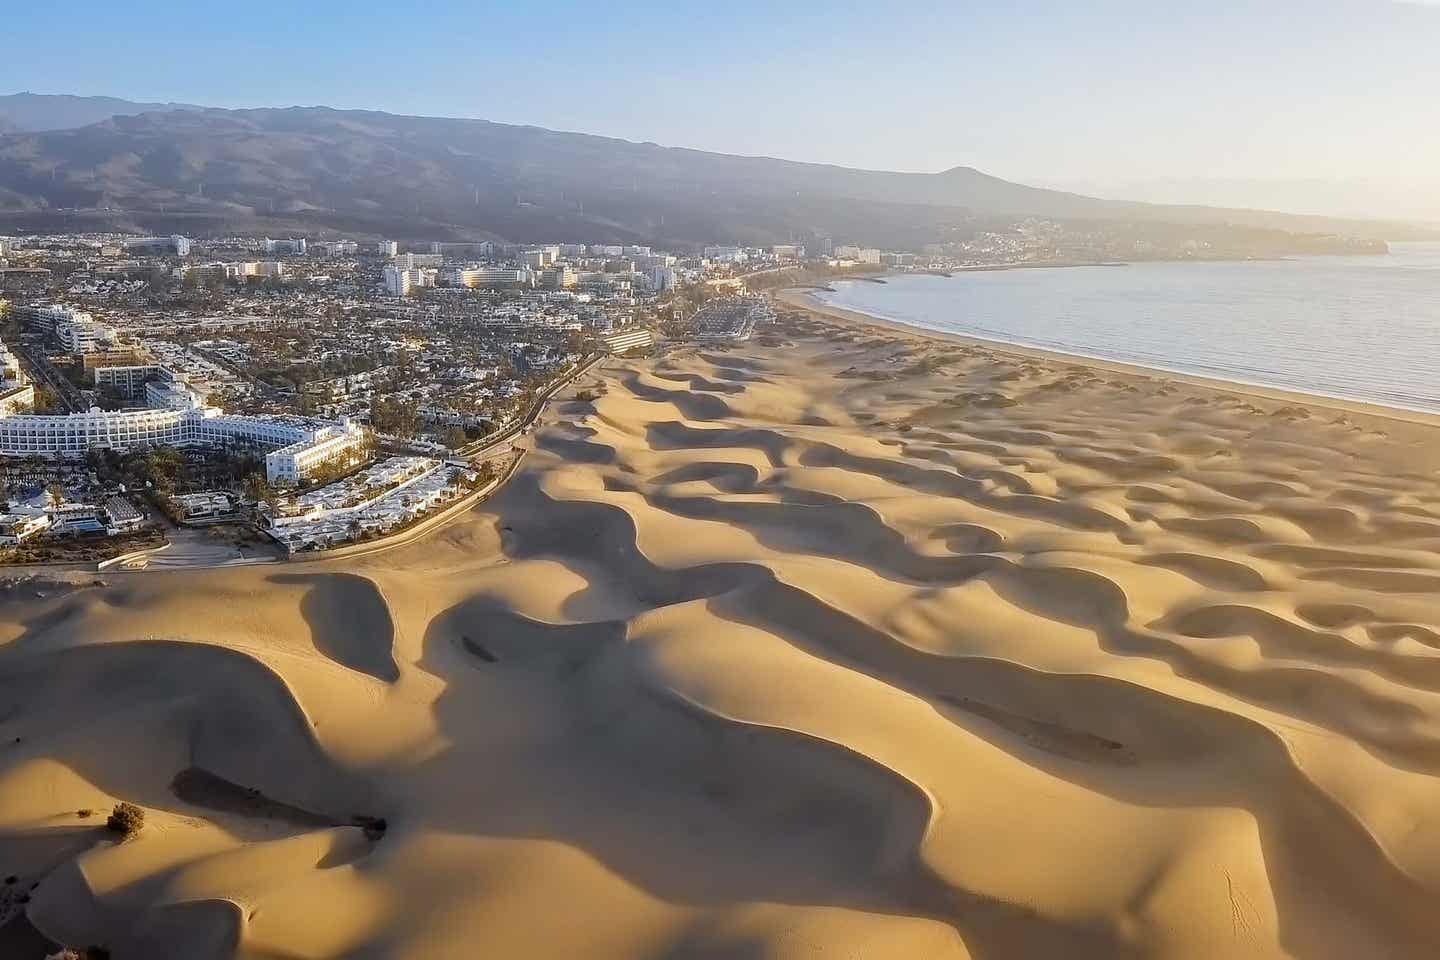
1412,201
1331,103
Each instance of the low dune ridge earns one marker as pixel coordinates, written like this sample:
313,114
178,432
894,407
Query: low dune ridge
846,641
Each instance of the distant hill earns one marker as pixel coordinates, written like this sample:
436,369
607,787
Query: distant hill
209,170
38,112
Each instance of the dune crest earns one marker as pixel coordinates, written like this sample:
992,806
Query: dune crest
842,642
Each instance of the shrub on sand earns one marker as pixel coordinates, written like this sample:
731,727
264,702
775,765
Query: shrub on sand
126,819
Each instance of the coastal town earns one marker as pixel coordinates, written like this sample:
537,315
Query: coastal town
294,395
720,481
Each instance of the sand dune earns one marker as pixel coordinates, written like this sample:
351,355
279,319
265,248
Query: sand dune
848,641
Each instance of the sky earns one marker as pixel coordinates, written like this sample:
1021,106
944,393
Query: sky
1114,98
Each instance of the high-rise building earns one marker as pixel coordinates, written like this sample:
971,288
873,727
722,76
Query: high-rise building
84,334
397,281
650,261
335,248
296,245
387,248
400,283
418,261
861,254
178,245
76,330
463,248
491,277
723,253
559,277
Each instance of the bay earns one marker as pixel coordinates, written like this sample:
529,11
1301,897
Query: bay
1360,328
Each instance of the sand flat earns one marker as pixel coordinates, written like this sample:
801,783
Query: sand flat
847,641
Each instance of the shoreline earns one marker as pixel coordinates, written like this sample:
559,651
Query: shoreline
740,580
802,299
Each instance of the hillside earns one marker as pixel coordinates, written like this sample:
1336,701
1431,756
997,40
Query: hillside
361,170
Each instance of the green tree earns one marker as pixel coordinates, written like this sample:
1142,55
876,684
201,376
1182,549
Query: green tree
394,415
257,489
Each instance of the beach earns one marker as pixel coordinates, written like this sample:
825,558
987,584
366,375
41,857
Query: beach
849,640
1353,327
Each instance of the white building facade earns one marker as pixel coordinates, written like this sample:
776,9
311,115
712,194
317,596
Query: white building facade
329,445
303,446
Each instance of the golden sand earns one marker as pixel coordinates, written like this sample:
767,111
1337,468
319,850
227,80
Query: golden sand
844,642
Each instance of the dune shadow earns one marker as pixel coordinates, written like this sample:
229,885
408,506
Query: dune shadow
177,704
490,633
19,939
349,621
189,930
694,807
1115,738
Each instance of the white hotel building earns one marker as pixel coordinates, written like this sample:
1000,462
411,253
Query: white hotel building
129,380
77,331
492,277
16,393
179,418
399,282
84,334
296,461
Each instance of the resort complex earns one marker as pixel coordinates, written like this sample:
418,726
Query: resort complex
730,318
178,417
314,392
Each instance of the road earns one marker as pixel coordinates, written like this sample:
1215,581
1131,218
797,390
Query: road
199,548
484,445
43,372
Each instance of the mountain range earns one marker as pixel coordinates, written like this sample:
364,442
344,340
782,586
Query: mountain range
89,163
35,112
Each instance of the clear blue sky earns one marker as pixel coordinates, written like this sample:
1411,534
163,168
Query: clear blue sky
1033,91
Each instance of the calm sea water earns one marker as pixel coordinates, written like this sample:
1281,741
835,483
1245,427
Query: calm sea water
1362,328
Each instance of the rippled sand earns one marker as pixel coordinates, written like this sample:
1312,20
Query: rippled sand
841,643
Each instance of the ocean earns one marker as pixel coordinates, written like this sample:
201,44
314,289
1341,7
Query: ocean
1359,328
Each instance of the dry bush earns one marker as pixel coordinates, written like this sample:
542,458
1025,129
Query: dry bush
126,819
